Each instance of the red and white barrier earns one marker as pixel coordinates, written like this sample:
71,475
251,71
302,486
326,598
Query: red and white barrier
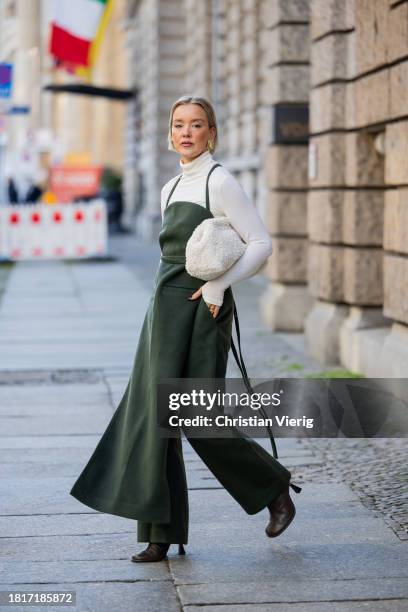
45,231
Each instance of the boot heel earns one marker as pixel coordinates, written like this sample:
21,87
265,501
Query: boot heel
295,488
181,550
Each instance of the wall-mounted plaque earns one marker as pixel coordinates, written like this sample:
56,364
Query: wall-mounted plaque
290,124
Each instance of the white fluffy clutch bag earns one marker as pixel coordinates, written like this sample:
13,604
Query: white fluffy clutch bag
213,247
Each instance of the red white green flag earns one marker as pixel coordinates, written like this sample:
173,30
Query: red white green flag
77,29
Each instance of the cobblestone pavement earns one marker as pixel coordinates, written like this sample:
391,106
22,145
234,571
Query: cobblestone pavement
375,468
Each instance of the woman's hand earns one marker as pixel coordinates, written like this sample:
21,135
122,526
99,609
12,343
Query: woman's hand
214,309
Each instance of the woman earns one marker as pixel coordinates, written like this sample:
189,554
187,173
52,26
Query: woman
186,333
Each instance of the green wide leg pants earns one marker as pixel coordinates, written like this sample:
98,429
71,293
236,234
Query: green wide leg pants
241,465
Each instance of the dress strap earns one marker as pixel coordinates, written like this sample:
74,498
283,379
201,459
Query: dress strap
207,191
240,362
172,189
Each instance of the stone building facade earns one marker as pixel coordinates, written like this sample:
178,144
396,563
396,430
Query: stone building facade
20,41
94,125
333,201
357,198
71,123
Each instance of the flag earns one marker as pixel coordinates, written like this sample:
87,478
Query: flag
76,31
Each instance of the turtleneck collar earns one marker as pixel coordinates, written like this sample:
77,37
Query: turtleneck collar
198,166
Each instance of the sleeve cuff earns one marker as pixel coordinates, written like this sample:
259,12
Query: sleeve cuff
212,295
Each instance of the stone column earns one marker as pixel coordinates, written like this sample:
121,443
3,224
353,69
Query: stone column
158,44
222,61
230,121
197,34
26,71
285,43
394,354
349,110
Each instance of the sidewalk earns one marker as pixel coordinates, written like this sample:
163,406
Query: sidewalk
68,334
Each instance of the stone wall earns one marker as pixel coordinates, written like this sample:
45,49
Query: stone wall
334,203
357,222
285,42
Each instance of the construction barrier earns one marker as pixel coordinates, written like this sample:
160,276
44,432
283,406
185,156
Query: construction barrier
43,231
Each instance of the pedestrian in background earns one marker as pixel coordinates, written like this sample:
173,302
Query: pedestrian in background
12,192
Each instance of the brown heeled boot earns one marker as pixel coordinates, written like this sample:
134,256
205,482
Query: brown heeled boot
282,512
155,552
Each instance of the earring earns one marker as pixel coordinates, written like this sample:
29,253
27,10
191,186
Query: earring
210,146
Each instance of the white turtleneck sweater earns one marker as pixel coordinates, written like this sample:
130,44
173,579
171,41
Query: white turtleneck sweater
227,199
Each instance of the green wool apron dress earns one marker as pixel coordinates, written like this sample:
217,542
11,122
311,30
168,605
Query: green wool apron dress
135,473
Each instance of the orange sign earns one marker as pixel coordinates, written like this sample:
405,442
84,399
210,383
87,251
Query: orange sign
69,182
77,159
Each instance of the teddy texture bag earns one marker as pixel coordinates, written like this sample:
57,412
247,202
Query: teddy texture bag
213,247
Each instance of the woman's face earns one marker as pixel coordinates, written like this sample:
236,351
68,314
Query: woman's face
190,131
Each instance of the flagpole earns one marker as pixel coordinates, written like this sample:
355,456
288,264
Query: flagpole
97,41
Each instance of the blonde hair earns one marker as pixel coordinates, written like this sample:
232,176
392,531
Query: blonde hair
207,108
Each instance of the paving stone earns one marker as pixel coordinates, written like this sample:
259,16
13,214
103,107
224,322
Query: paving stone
65,524
37,425
27,496
42,470
70,547
324,521
73,328
41,456
337,606
61,441
80,571
36,401
374,468
105,597
315,530
272,561
18,306
81,355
